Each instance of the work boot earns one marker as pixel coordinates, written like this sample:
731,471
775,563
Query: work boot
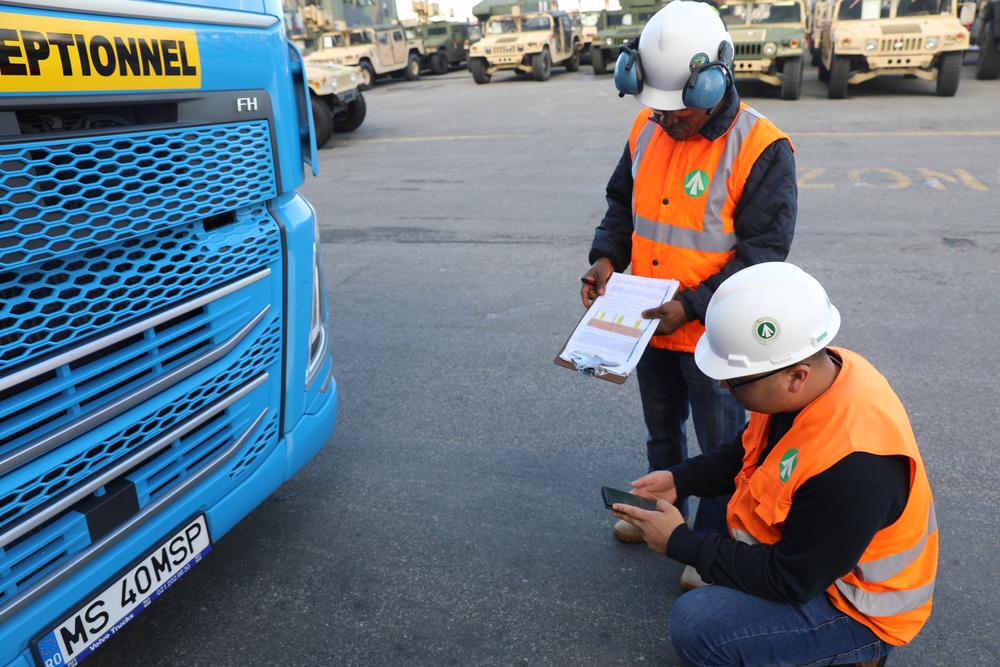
626,532
690,580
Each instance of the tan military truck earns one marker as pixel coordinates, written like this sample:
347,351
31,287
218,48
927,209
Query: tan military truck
375,50
528,43
862,39
337,103
769,40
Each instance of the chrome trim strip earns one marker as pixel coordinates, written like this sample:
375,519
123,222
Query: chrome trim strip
49,441
148,10
67,569
71,497
84,350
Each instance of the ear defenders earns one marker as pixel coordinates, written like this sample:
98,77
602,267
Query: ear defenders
705,88
628,71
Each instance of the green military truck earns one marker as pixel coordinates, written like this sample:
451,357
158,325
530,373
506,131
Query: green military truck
769,41
446,44
375,50
617,27
862,39
527,43
337,103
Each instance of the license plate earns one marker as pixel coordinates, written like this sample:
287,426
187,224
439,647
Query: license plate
83,631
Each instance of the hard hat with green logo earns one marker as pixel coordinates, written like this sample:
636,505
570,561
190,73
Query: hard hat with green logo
765,317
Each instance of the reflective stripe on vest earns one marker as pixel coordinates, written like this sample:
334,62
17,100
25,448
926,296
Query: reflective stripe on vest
896,602
711,238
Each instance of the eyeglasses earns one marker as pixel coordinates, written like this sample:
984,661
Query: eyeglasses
658,115
737,383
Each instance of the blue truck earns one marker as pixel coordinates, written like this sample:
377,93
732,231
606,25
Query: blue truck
164,360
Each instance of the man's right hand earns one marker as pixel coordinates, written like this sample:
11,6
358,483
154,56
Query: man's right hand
658,485
595,281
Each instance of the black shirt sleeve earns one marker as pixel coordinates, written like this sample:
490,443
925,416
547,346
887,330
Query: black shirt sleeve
833,518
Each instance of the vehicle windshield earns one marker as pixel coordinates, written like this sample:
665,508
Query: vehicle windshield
537,23
363,37
501,26
333,41
761,13
629,19
924,7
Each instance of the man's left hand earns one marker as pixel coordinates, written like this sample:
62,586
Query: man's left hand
671,315
656,527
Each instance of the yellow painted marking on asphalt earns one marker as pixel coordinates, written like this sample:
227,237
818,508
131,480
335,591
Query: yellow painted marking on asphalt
901,180
943,133
933,179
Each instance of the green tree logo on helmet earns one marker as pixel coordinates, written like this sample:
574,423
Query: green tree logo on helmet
787,464
766,330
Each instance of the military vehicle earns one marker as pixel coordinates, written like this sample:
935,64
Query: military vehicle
618,27
376,50
337,103
863,39
769,40
527,43
985,30
590,22
446,44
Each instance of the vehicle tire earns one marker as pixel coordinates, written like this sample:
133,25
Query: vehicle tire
597,60
840,72
816,58
791,79
949,73
541,65
824,73
351,118
440,63
322,120
988,61
412,72
573,64
478,68
367,75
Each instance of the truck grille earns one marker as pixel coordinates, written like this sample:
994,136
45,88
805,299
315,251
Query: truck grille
140,292
891,45
748,50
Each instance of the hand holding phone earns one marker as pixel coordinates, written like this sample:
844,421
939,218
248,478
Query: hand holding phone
612,496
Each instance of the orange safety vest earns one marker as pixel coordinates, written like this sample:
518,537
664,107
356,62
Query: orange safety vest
890,589
683,199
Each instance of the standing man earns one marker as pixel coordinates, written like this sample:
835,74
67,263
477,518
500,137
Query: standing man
705,187
832,549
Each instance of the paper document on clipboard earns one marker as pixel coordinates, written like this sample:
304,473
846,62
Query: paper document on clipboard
612,335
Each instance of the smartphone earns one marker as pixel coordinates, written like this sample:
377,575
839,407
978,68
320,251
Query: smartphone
612,496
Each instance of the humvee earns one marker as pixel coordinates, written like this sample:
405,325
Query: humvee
528,43
445,44
862,39
619,27
376,50
337,103
985,29
769,40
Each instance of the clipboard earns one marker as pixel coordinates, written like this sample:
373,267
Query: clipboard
612,335
591,365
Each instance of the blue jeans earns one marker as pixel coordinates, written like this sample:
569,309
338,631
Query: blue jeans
671,387
714,626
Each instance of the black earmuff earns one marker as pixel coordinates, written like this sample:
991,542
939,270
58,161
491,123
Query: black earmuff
709,83
628,69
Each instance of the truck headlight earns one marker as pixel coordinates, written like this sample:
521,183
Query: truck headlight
931,42
871,45
770,49
317,327
610,41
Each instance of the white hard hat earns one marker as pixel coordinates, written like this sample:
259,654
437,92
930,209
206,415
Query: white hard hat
678,39
762,318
